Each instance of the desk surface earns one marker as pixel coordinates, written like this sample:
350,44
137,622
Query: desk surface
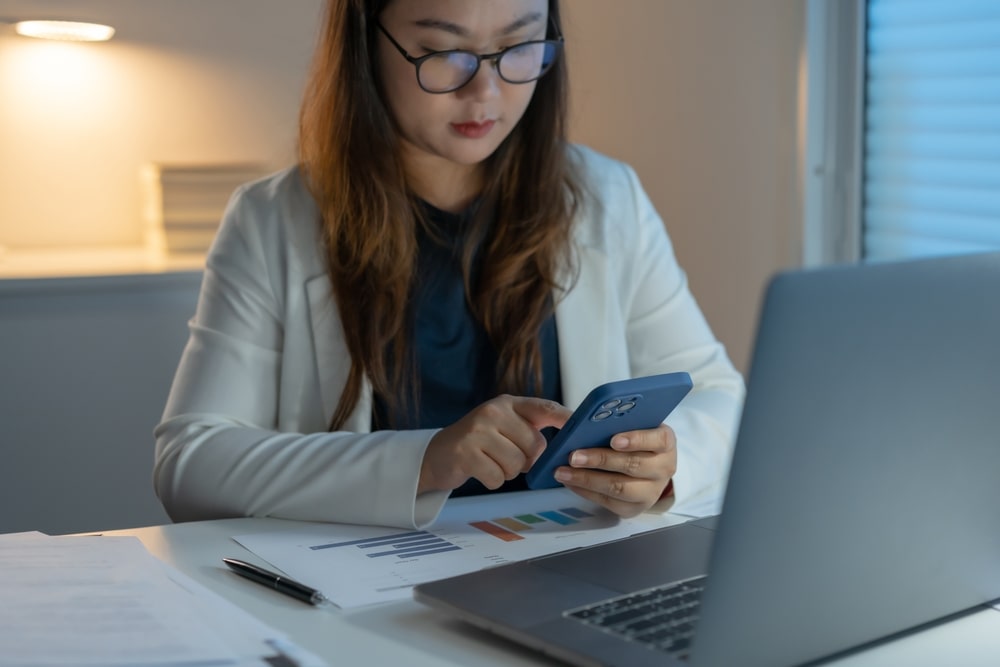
407,633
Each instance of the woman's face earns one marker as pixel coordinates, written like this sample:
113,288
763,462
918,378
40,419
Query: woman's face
465,126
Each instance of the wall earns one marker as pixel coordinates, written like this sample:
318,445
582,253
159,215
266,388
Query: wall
702,97
183,81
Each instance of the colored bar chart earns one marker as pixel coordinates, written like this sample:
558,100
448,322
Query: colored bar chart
509,529
401,545
496,531
561,519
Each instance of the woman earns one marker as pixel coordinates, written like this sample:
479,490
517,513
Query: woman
397,318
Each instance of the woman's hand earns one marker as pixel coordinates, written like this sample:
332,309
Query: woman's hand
495,442
630,476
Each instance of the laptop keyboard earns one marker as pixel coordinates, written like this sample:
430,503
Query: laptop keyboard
662,618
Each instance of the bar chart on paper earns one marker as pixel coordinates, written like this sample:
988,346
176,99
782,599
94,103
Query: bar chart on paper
358,565
414,544
403,545
513,528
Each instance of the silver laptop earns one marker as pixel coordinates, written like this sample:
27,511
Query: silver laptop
862,498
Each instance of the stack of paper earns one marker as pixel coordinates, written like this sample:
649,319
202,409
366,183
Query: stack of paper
184,203
107,601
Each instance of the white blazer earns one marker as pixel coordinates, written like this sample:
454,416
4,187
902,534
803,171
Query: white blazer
244,432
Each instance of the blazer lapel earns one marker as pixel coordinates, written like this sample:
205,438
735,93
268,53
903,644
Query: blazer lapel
332,359
329,349
582,317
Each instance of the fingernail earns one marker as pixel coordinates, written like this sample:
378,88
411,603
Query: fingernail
578,459
621,442
563,475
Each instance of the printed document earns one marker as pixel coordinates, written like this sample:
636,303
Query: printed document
88,601
360,565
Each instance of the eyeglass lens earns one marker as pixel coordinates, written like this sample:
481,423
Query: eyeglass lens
452,70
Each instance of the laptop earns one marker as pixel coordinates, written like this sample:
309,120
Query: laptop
861,502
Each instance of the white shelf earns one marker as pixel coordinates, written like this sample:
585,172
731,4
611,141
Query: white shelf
61,263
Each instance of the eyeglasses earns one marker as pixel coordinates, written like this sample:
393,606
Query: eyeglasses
447,71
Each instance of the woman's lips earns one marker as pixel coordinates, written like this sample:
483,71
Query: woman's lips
474,130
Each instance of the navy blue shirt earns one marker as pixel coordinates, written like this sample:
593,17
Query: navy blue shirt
456,362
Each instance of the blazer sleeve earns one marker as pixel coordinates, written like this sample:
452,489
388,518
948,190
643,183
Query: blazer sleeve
226,447
667,331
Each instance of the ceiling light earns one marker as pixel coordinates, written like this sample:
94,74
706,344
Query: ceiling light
65,30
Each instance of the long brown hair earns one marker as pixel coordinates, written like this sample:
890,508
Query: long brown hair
519,239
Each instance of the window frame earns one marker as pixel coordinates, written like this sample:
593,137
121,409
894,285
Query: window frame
834,133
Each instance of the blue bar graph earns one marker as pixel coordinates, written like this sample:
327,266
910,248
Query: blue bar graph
400,545
561,519
372,541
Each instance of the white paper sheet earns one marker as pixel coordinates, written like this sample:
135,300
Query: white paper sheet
359,565
107,601
94,601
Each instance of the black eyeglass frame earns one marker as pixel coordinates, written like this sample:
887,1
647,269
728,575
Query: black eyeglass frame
556,43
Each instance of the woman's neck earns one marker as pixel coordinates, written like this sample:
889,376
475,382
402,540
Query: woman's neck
443,184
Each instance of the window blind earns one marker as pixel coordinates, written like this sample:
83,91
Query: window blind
932,128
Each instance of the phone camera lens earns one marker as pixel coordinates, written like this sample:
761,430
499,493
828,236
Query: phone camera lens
625,407
613,403
603,414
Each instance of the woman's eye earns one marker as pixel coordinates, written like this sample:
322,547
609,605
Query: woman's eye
436,48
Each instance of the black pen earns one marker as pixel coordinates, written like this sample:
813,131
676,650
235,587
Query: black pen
276,581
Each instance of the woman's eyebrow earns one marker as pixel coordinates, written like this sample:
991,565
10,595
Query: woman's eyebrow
455,29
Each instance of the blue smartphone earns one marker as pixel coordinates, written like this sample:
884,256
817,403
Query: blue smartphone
610,409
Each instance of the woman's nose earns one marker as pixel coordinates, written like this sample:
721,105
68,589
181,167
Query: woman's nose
485,84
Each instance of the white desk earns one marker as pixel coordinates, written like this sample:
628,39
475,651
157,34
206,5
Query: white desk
410,634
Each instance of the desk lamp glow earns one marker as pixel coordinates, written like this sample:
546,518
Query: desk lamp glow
71,31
